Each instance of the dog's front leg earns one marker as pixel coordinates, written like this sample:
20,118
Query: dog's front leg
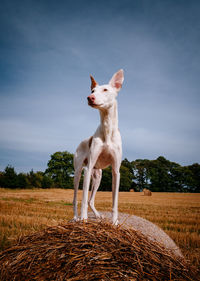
115,184
86,184
115,193
96,179
92,158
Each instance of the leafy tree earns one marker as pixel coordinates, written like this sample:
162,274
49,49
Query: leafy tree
10,177
125,179
60,169
106,181
128,165
39,179
192,177
159,173
140,168
47,181
132,177
177,178
22,181
32,180
2,179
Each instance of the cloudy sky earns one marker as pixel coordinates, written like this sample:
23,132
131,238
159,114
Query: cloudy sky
48,49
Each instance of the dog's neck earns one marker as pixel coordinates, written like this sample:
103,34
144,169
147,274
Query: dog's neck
109,122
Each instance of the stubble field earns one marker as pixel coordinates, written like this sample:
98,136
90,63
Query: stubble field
25,211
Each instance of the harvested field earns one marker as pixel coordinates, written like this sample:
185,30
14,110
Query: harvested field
91,251
23,212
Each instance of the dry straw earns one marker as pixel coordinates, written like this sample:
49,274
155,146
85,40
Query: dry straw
90,251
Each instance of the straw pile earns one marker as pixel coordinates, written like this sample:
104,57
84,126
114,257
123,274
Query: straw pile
90,251
147,192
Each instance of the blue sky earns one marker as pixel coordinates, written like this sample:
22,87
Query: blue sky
48,49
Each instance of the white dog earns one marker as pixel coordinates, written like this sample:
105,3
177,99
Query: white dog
104,148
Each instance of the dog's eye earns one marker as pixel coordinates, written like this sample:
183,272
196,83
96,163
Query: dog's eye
105,90
92,91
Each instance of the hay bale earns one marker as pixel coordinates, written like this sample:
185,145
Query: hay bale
90,251
147,192
132,190
151,231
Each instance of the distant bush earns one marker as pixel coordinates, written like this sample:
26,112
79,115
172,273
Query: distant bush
10,179
160,175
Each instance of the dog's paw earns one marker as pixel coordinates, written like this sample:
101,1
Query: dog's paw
101,216
75,219
115,221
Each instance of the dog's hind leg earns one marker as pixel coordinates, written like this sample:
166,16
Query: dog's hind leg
77,176
96,179
78,166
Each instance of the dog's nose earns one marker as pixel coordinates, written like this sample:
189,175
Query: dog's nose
91,98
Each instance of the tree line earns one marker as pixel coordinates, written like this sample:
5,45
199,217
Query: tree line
159,175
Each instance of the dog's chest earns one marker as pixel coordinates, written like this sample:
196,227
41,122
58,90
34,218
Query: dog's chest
105,159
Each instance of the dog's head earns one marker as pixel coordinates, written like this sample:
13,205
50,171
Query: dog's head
102,97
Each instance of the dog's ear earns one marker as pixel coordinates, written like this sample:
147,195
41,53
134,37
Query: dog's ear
93,83
117,80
